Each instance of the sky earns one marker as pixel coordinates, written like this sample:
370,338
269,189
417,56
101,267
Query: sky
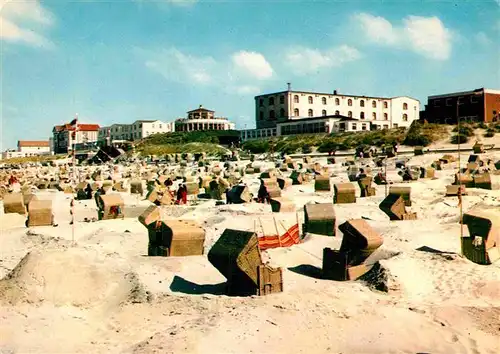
119,61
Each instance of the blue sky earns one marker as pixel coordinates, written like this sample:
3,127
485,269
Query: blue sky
118,61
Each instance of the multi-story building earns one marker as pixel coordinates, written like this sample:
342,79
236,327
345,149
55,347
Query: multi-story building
138,130
64,139
480,105
202,119
26,148
32,147
310,125
378,112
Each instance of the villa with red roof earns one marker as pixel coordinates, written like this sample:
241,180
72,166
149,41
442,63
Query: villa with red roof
65,136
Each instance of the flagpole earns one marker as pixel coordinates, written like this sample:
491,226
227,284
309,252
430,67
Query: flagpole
460,180
75,182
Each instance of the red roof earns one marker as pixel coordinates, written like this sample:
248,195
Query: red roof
81,127
33,143
88,127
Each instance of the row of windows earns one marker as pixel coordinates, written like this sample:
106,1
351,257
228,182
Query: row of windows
304,128
260,133
459,100
310,113
127,128
310,99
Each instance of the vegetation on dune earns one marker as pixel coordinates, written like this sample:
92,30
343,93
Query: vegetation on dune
465,129
186,142
418,135
325,142
193,148
32,159
424,134
459,139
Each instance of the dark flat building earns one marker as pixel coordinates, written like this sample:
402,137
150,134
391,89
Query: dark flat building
480,105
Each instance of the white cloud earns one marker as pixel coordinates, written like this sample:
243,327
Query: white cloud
253,64
22,21
482,38
237,73
377,28
302,60
247,90
426,36
176,66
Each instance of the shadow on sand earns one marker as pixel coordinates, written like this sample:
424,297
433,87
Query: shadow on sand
307,270
433,250
181,285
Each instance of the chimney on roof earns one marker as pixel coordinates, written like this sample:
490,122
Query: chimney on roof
334,92
289,86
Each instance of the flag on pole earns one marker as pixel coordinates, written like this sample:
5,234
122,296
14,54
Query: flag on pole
74,122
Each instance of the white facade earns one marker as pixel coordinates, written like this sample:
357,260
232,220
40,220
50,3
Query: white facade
33,147
10,154
138,130
201,119
250,134
82,137
326,125
379,111
313,125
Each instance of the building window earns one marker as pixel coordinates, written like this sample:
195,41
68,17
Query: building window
437,103
374,104
405,105
337,113
296,111
261,102
282,99
386,117
323,100
405,117
271,114
362,103
349,102
374,115
160,126
362,115
473,99
354,127
296,99
385,104
261,116
310,99
310,113
349,114
337,101
363,127
271,101
282,113
323,112
386,126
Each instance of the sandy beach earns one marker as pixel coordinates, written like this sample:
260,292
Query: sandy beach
103,294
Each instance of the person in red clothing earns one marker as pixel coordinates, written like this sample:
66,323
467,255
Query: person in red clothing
182,195
12,180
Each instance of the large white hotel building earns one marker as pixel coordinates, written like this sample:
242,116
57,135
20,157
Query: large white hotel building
293,112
